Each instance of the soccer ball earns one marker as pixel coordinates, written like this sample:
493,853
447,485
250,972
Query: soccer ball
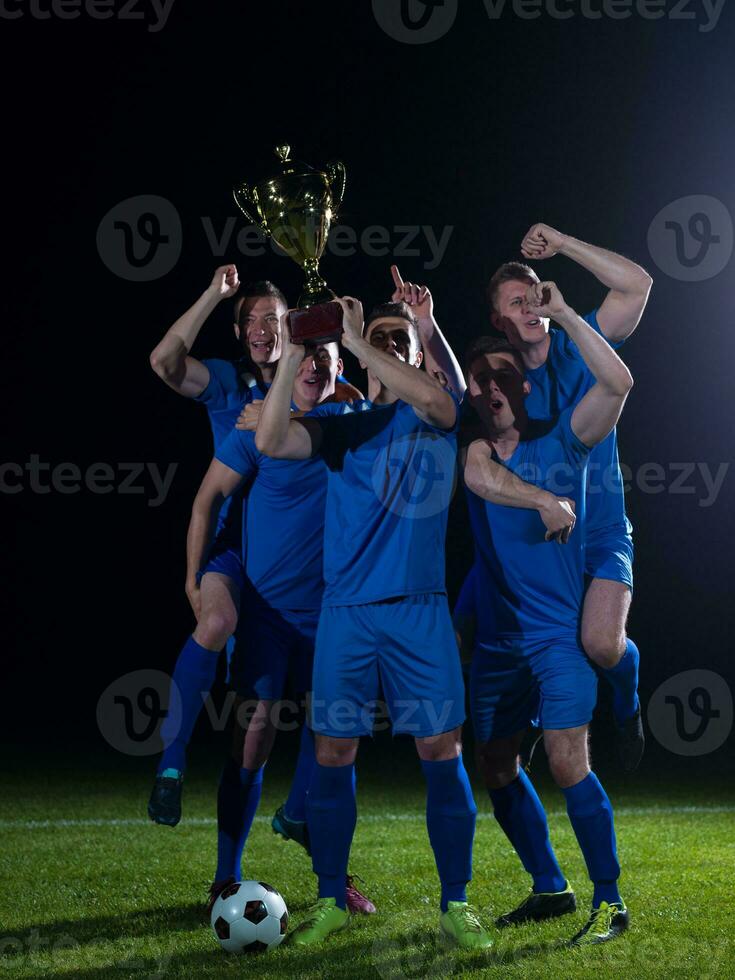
249,917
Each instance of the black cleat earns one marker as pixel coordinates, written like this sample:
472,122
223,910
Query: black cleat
540,906
215,890
164,806
604,924
630,742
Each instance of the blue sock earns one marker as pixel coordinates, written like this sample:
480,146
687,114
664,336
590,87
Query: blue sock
296,802
194,675
450,819
623,678
521,816
237,800
591,817
331,815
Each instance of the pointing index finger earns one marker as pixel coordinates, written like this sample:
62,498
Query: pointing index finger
396,277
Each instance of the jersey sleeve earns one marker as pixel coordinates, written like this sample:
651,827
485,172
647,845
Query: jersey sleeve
457,417
574,450
223,385
239,453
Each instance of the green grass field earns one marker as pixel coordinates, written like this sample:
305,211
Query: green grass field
92,889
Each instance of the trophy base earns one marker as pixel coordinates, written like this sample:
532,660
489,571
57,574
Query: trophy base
321,323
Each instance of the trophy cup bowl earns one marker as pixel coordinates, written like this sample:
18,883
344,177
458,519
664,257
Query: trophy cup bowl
295,209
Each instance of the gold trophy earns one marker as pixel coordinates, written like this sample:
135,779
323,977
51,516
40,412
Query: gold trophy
296,208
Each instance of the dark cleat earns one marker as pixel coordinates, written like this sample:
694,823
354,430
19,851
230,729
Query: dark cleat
357,903
215,890
604,924
630,742
538,907
164,806
295,830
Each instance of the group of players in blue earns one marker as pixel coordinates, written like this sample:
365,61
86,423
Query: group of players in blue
320,527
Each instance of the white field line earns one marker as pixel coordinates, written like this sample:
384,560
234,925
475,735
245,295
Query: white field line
630,811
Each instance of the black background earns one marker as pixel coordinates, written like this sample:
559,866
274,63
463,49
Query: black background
590,125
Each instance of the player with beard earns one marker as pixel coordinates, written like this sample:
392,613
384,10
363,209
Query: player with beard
222,387
384,616
281,587
528,666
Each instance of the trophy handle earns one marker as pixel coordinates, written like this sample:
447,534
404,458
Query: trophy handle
337,177
244,200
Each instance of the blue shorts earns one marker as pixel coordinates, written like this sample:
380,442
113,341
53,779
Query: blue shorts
407,645
609,555
225,560
273,645
548,683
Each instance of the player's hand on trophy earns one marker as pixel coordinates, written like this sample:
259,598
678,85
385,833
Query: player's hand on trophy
541,242
194,595
225,282
247,420
419,298
353,320
291,351
559,518
545,299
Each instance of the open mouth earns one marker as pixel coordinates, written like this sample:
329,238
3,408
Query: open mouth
496,405
312,381
261,345
535,322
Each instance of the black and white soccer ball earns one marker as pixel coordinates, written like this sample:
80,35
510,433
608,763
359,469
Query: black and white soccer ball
249,917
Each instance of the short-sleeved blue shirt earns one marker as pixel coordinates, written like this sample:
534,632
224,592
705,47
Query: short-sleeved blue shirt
527,586
391,478
559,384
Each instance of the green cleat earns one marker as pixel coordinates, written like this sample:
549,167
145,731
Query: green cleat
321,920
538,907
604,924
461,925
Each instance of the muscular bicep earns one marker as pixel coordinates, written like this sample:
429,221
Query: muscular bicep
596,415
621,313
189,379
303,439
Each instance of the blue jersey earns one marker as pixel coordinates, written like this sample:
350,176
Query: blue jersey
558,384
527,586
230,387
284,523
391,478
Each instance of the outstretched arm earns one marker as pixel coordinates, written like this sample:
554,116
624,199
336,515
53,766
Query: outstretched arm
219,483
170,358
426,395
494,482
596,415
439,358
629,284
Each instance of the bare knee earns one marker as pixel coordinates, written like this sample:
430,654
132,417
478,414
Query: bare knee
440,748
603,647
333,752
499,765
215,627
568,756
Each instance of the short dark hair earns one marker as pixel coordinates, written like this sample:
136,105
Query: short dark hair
508,272
490,345
263,287
384,310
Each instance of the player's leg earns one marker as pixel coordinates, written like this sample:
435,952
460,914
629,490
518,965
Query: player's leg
609,563
423,686
568,694
192,679
345,683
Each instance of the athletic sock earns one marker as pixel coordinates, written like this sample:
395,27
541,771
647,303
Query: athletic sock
237,800
193,676
623,678
591,816
331,816
450,819
522,818
296,803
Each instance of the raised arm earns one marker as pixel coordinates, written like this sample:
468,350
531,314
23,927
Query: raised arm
596,415
494,482
439,358
277,434
426,395
629,284
219,483
170,358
